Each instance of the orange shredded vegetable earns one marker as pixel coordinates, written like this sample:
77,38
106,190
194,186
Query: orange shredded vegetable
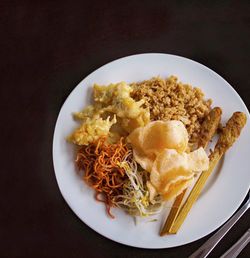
100,163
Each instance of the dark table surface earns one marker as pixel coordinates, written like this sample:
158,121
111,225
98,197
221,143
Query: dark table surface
47,48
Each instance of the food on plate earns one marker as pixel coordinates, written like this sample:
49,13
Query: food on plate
160,148
229,135
173,172
209,127
114,102
91,130
111,171
102,171
141,145
135,196
169,99
150,140
208,130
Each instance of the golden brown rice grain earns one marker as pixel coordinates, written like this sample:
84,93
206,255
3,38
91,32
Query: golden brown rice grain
168,99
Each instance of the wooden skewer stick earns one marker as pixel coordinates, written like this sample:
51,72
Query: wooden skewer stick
208,129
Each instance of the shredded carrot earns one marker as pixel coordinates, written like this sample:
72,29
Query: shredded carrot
100,163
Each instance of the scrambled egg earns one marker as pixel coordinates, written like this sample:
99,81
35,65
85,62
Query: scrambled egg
115,98
160,148
112,101
91,130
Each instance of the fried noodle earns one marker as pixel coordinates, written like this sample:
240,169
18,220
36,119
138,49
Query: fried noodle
100,162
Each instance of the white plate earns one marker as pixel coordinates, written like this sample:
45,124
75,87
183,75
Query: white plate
224,192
